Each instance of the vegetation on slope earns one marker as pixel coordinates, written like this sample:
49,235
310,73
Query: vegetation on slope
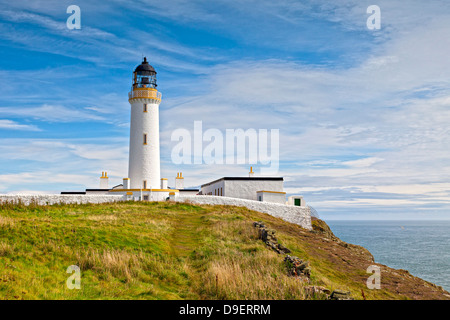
163,250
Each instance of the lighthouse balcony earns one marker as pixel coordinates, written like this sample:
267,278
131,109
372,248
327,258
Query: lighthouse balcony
144,93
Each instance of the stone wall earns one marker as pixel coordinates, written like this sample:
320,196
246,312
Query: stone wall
293,214
44,199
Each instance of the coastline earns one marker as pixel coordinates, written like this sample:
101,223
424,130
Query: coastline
419,246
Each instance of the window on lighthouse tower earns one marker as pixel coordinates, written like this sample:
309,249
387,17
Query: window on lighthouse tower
145,138
145,107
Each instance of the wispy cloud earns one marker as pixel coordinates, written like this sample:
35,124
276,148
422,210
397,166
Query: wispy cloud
12,125
51,113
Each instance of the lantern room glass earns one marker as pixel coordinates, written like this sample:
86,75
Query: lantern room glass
145,79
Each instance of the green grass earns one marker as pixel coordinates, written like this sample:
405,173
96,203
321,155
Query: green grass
156,250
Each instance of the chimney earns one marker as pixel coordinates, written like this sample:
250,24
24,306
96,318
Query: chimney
163,183
104,180
179,181
126,183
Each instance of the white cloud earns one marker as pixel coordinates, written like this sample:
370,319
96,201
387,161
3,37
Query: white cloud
51,113
362,163
13,125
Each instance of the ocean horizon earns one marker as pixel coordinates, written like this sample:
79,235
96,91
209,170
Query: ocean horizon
420,246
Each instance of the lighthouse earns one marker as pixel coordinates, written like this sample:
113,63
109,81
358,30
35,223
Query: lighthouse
144,180
144,155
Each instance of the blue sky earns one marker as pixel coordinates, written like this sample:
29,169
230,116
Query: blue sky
363,114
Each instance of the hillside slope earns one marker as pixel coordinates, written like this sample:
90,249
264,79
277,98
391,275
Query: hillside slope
138,250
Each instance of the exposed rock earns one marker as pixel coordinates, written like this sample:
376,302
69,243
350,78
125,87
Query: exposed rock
320,227
268,236
283,248
315,291
297,267
340,295
258,224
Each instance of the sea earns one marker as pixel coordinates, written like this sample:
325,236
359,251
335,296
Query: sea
421,247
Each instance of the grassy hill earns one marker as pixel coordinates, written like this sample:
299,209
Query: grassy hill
162,250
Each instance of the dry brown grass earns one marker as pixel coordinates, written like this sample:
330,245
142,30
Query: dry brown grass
235,231
244,268
7,222
117,262
257,276
160,225
6,249
106,218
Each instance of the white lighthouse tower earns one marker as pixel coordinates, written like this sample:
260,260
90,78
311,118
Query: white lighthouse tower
144,173
144,157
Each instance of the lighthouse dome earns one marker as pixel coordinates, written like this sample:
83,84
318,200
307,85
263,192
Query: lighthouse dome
145,68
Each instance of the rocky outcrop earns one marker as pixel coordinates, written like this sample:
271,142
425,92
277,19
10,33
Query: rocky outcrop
319,227
340,295
317,292
326,294
269,238
297,267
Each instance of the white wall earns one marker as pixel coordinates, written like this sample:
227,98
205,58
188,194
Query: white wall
45,199
215,186
243,189
96,193
184,192
246,189
291,200
272,197
292,214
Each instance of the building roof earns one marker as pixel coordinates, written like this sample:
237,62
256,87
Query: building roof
73,192
245,178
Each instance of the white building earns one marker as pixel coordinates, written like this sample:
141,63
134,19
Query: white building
266,189
251,188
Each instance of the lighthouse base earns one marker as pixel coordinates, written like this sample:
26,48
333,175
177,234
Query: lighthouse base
145,194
